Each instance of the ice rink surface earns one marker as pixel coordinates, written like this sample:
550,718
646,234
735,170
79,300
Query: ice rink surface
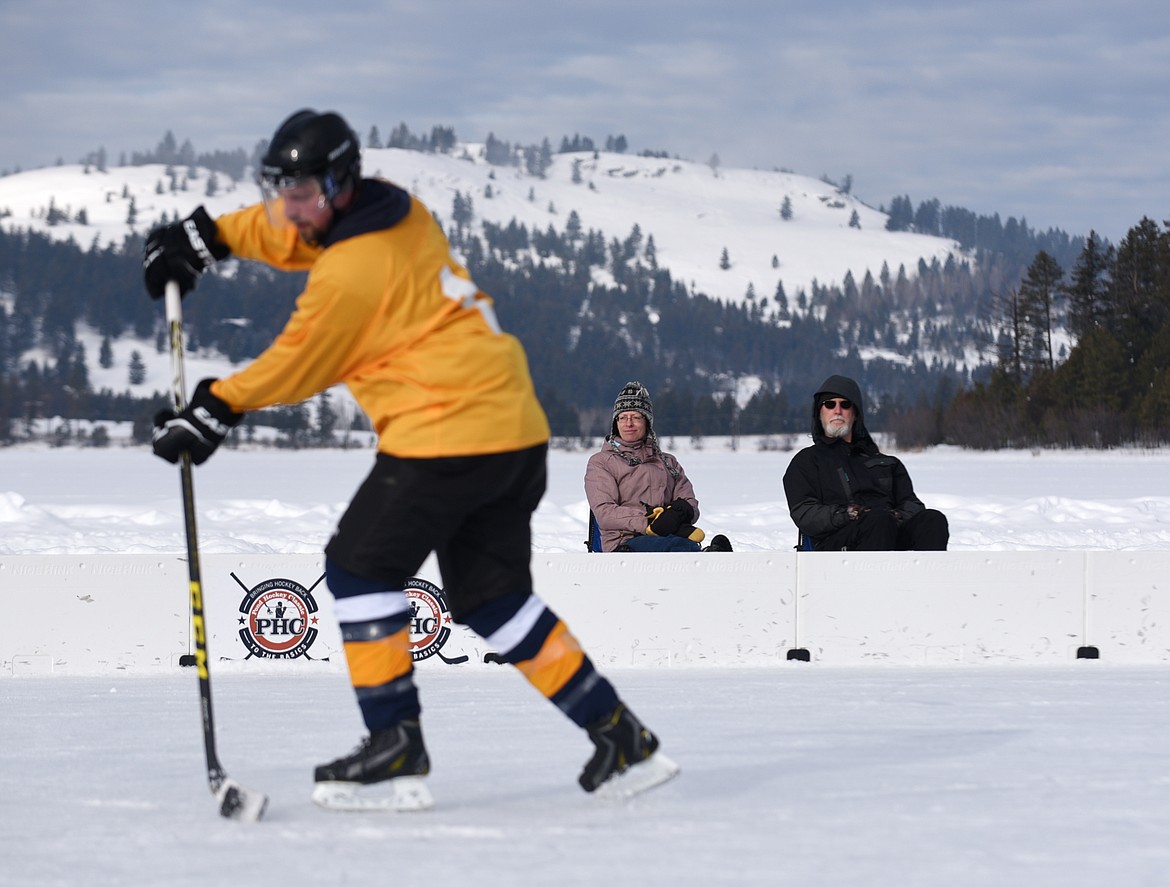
797,774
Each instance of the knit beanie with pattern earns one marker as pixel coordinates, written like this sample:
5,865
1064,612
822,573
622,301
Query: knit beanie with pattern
634,396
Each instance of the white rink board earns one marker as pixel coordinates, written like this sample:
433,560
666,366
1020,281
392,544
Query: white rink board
88,614
673,609
62,614
942,607
1129,607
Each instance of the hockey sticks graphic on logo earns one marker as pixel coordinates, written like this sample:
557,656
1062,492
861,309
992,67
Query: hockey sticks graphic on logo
235,801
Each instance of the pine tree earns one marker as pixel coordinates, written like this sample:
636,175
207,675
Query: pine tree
573,226
901,215
1010,343
326,419
633,243
546,158
725,260
442,139
137,369
1095,374
462,210
1088,293
1154,408
293,421
1140,289
1038,293
781,300
928,218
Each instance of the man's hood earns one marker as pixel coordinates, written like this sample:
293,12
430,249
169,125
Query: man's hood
839,386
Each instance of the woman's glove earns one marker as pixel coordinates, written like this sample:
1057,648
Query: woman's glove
670,520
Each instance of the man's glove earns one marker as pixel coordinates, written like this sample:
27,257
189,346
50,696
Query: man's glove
181,252
669,521
843,514
198,429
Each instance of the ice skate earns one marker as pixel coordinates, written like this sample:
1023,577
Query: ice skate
390,763
626,760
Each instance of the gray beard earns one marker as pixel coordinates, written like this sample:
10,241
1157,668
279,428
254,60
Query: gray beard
834,431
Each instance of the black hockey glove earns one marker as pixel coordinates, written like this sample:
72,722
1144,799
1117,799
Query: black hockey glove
669,521
198,429
181,252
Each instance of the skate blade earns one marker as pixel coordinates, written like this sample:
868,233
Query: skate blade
653,771
405,794
237,802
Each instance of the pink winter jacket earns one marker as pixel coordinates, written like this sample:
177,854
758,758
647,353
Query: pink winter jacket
621,477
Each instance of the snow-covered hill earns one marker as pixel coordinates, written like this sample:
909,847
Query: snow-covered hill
693,211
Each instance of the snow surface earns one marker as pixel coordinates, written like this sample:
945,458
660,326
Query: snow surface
794,774
90,501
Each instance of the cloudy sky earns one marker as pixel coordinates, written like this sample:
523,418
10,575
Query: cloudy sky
1055,111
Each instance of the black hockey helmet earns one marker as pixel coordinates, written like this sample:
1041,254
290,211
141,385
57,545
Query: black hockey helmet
312,145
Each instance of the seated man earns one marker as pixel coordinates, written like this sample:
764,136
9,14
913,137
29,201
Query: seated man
640,496
846,495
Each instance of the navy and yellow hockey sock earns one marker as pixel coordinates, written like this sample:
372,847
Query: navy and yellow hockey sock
375,631
527,634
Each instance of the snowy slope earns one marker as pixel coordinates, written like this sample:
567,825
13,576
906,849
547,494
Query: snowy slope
690,209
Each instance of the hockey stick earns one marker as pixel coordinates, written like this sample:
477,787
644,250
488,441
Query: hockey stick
235,801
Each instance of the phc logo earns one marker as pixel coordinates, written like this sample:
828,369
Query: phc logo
430,621
279,618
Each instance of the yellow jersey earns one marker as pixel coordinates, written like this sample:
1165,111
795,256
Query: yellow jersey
389,312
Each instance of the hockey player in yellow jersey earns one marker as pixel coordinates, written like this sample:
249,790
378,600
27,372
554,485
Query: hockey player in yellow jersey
462,447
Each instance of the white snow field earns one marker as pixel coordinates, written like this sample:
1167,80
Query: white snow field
123,501
797,773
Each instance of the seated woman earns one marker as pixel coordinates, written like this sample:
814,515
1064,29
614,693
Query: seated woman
640,496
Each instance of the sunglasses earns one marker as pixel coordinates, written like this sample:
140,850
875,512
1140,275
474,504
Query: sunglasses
833,404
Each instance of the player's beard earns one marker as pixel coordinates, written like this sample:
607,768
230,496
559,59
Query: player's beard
310,234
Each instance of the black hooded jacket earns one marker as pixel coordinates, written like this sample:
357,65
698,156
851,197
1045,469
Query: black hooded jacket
824,479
